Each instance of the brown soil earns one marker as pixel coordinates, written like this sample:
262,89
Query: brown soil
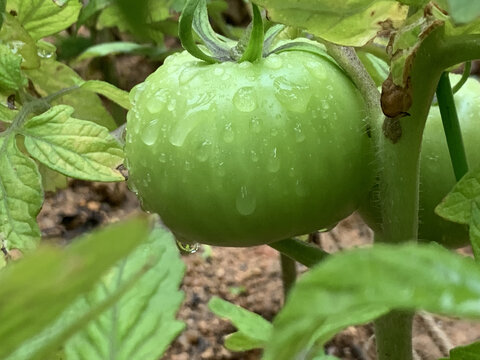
249,277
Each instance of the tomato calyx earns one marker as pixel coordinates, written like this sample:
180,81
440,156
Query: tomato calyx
195,17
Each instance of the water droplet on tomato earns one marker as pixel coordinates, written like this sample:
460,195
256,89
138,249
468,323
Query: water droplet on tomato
187,248
244,99
150,132
255,124
273,164
203,151
187,75
162,157
274,132
188,165
245,65
291,172
317,69
299,135
293,96
245,202
228,134
325,105
157,102
254,156
273,61
300,188
218,71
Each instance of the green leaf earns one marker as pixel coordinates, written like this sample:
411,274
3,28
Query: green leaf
13,34
463,11
475,229
110,91
21,197
76,148
457,205
53,76
254,331
43,18
3,3
92,8
52,180
357,286
469,352
346,23
11,77
7,109
119,47
142,324
37,289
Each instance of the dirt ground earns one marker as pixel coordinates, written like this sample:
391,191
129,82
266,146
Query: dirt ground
249,277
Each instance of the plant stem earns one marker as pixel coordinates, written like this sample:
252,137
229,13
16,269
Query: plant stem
289,274
393,333
451,126
300,251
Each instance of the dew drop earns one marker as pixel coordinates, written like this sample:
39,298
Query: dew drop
188,165
150,132
203,151
162,157
255,124
274,132
187,248
218,71
300,188
228,134
317,69
221,169
273,164
325,105
254,156
245,65
299,135
187,75
273,61
293,96
244,99
245,202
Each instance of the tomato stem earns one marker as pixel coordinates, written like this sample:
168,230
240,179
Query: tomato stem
289,274
300,251
451,126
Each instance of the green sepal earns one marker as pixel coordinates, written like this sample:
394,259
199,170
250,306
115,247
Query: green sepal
255,43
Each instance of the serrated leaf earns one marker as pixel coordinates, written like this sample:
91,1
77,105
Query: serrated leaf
469,352
142,324
110,91
346,23
76,148
13,34
463,11
53,76
43,18
357,286
254,331
21,197
37,289
11,77
457,205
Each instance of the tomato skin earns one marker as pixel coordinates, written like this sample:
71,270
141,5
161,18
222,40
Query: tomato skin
436,172
246,154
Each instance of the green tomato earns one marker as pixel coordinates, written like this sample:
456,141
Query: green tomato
241,154
436,172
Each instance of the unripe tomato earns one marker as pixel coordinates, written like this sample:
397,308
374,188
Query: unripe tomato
436,172
241,154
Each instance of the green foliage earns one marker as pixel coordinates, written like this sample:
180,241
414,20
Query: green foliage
73,147
358,286
11,77
120,47
462,206
345,23
253,330
40,287
20,197
463,11
54,76
43,18
469,352
142,323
